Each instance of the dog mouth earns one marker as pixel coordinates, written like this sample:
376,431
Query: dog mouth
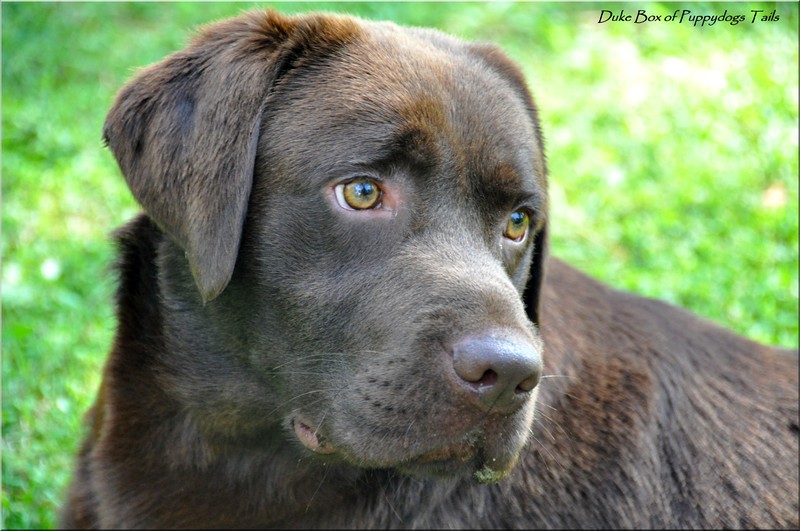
486,461
311,438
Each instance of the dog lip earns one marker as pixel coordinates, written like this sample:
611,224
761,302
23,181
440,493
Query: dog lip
311,438
486,458
462,451
463,459
468,456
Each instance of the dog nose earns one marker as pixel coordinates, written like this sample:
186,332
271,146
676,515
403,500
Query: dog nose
498,373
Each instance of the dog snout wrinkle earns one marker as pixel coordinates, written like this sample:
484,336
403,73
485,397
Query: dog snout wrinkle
497,374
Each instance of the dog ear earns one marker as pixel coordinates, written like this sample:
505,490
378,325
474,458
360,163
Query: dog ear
533,289
185,131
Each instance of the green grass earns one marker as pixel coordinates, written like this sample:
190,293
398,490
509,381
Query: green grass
673,153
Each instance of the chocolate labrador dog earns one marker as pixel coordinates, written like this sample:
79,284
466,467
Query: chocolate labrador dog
334,312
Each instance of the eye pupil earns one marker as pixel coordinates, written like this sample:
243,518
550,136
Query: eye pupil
517,226
363,190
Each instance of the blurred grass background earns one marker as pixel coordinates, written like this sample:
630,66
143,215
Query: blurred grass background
674,173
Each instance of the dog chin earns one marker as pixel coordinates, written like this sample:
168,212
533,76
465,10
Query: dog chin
487,453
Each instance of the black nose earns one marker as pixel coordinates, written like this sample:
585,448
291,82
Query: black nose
497,374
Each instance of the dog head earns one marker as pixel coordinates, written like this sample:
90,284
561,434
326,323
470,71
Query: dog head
356,216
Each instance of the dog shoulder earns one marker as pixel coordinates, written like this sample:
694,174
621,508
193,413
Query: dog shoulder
714,413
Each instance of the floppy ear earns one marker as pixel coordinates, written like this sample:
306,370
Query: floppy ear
185,132
533,289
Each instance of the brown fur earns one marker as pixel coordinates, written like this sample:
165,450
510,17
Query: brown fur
249,300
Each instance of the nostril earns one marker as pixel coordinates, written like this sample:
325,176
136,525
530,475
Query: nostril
528,384
489,378
502,370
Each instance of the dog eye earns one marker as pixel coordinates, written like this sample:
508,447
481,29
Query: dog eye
517,225
360,194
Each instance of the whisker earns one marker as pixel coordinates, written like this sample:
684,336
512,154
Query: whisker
381,352
330,403
544,405
409,428
576,398
546,431
389,503
324,477
321,356
306,373
301,395
328,356
548,452
555,423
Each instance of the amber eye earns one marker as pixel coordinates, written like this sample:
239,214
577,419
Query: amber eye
360,194
517,226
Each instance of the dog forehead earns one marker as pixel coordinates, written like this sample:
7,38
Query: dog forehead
394,82
425,76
